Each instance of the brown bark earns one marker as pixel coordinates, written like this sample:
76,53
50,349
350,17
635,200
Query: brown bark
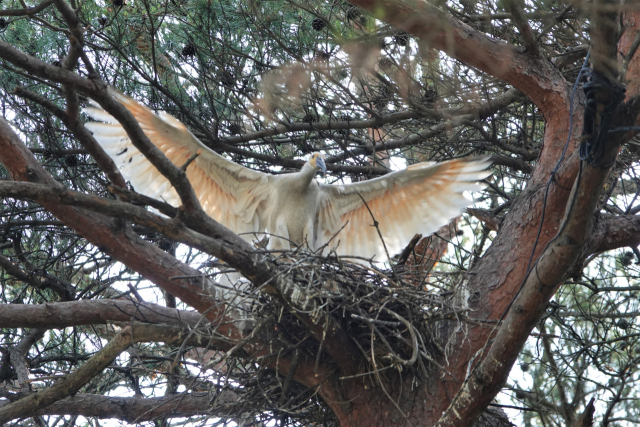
497,277
76,313
138,409
69,384
586,419
612,232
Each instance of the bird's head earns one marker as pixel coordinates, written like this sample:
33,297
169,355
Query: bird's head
317,161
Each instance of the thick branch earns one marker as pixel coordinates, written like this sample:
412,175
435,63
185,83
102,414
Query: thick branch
18,353
69,384
517,12
613,232
76,313
533,75
138,409
541,282
540,285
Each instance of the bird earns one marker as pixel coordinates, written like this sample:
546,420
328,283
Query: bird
370,219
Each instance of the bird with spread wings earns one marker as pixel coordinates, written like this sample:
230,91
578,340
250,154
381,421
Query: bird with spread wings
294,208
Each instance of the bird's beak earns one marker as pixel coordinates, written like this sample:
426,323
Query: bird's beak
323,167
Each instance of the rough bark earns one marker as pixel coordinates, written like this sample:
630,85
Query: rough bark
75,313
138,409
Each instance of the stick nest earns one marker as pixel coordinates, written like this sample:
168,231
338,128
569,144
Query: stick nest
400,319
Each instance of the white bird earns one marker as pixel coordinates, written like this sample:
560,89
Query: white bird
294,208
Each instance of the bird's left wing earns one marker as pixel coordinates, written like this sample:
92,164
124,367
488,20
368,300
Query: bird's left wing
233,195
419,199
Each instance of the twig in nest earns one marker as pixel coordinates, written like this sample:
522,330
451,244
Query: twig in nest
414,338
376,321
377,373
289,379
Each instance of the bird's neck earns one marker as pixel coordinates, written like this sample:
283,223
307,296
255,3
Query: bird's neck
307,174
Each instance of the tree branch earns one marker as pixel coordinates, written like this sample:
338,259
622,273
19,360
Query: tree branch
516,9
28,11
69,384
138,409
535,76
613,232
89,312
541,282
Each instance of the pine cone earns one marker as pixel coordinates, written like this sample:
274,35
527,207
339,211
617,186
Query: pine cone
165,245
385,63
189,50
102,20
401,38
380,102
341,74
317,24
3,23
323,56
468,5
118,3
71,161
353,13
627,258
226,78
430,95
235,129
623,324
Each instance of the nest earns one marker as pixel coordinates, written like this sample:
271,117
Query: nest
395,317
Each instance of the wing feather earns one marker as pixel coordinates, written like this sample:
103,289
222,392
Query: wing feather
419,199
233,195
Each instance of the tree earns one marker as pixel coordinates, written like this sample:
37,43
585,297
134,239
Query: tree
312,339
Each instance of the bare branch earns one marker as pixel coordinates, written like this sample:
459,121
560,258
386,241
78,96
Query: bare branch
75,313
517,12
613,232
28,11
70,384
138,409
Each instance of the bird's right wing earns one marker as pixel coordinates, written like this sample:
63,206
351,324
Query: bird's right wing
233,195
419,199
